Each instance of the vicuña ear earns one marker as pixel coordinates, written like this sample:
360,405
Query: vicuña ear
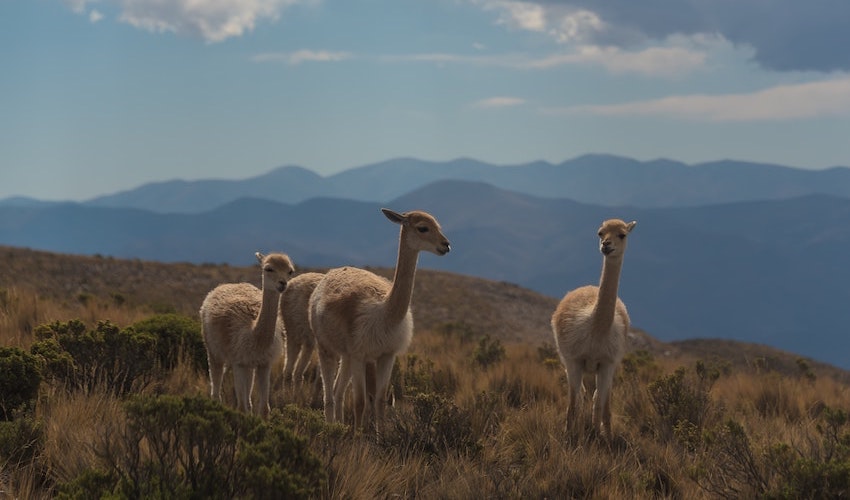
260,257
394,216
631,225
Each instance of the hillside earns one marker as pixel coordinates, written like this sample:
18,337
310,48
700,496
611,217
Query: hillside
442,301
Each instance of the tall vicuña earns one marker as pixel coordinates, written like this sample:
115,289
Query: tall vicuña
590,326
238,322
360,318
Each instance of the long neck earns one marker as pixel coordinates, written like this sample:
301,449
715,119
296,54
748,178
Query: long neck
266,321
606,301
398,300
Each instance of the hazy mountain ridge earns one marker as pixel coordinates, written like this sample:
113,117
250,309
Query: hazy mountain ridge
766,272
596,179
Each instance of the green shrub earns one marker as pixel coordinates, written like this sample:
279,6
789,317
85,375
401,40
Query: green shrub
460,330
175,336
420,376
682,403
21,441
822,469
727,465
488,352
117,359
435,426
817,466
20,377
193,447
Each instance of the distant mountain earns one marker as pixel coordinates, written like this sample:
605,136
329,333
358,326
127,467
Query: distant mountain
595,179
24,201
769,272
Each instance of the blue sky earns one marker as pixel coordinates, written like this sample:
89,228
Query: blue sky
98,96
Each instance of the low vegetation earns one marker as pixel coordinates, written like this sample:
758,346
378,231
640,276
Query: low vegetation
109,398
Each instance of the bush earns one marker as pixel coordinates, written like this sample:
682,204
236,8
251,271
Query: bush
175,336
682,403
20,377
436,426
21,441
420,376
822,470
117,359
815,467
193,447
460,330
488,352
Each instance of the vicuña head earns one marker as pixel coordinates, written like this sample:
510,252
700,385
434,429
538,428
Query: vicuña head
612,237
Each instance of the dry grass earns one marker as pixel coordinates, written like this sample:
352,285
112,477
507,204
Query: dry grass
512,411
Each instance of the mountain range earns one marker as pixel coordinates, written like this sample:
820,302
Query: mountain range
767,269
595,179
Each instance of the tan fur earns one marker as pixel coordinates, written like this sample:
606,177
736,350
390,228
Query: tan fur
362,321
294,318
590,326
239,328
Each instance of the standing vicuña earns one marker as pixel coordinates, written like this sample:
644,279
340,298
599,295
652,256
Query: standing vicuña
590,326
360,318
294,315
238,322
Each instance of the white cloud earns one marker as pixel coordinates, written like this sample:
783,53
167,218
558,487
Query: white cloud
653,61
498,102
784,35
301,56
210,20
95,16
576,26
78,6
566,24
784,102
517,14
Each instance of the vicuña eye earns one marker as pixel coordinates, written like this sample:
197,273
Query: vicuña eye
622,236
422,229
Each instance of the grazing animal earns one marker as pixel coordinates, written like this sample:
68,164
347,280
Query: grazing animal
590,326
362,319
238,322
295,320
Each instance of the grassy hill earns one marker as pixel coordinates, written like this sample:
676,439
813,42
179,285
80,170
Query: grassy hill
502,310
479,405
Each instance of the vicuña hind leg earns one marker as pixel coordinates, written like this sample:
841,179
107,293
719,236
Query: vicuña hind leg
301,365
329,366
289,364
216,376
343,377
358,380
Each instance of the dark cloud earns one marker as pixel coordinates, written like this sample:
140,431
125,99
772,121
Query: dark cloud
785,34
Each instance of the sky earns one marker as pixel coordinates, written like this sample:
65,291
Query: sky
100,96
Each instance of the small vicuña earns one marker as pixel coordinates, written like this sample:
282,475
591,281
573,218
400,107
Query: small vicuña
590,326
238,322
